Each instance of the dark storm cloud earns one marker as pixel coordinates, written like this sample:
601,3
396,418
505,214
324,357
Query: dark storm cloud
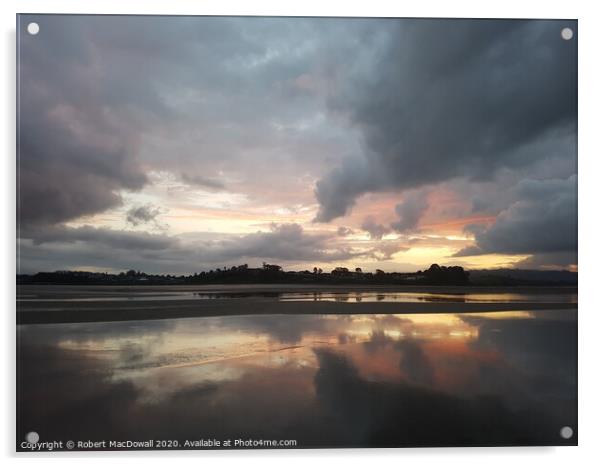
65,171
142,214
103,100
543,220
555,260
262,107
74,153
454,99
136,241
375,230
410,211
91,87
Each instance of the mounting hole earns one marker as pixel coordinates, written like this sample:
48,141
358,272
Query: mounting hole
566,432
33,28
566,33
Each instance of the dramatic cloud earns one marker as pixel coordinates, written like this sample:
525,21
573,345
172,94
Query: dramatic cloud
103,100
542,221
229,124
74,155
410,211
550,260
454,99
71,163
375,230
142,214
135,241
160,253
283,242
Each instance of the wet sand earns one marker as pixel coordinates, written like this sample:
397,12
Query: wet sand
39,304
75,291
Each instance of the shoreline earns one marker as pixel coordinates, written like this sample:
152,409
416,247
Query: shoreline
51,290
41,312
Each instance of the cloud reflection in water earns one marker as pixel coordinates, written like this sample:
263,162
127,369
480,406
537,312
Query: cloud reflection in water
356,380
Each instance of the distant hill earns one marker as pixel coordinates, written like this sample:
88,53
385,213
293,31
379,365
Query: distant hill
497,277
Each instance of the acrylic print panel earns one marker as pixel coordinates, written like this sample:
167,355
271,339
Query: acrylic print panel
270,232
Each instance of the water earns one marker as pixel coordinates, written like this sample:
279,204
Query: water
506,378
315,296
409,297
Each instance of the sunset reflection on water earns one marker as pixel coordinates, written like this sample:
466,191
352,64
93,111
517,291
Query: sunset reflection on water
307,377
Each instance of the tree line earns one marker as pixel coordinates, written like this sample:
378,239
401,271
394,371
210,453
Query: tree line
267,273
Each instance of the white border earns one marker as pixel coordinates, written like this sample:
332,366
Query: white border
590,153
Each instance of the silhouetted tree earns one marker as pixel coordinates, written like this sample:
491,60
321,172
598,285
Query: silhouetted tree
441,275
271,267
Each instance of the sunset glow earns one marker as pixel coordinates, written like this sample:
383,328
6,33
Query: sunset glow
217,146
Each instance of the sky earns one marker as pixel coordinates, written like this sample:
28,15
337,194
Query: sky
181,144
